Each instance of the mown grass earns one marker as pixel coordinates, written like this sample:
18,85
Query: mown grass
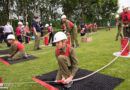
91,56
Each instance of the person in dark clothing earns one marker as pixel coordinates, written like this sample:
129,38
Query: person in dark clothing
42,28
82,25
37,33
1,34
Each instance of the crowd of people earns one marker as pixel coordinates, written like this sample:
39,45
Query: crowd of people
84,28
22,32
88,28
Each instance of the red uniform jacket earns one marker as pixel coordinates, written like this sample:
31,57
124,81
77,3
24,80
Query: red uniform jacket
19,45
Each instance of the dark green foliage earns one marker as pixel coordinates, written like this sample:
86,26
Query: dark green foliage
87,11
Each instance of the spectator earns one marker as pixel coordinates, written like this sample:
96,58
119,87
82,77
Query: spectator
1,34
8,29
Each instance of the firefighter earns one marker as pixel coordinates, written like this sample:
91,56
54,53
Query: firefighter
51,32
67,59
125,17
19,32
63,27
17,50
119,27
71,29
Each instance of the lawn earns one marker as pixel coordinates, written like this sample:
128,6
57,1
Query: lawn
91,56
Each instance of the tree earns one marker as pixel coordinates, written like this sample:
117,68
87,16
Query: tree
85,11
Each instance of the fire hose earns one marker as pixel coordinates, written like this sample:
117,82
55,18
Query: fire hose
102,67
78,79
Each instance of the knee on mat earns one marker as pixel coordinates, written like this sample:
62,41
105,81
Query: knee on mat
17,58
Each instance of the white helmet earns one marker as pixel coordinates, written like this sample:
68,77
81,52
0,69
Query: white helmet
50,24
63,16
59,36
20,23
11,36
117,16
83,28
26,22
46,25
125,6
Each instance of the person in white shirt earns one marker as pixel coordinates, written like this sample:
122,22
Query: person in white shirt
108,25
8,29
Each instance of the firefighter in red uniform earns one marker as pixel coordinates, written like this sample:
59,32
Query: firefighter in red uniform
67,59
19,32
125,16
51,32
71,29
17,50
63,27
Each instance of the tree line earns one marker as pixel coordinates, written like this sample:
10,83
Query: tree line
78,11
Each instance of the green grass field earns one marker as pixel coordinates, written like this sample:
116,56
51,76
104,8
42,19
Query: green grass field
91,56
